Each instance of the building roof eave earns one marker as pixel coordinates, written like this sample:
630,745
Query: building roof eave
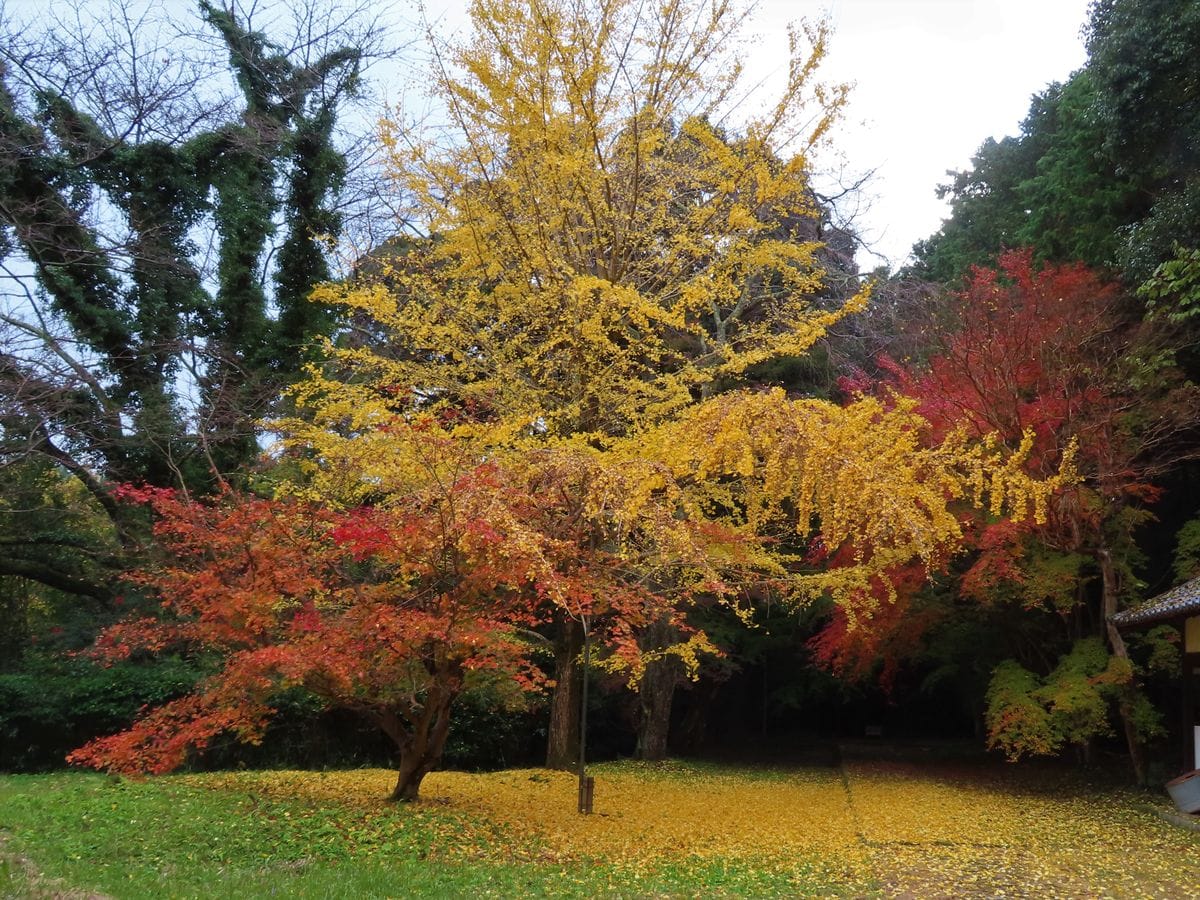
1178,603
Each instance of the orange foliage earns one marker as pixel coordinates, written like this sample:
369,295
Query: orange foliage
389,609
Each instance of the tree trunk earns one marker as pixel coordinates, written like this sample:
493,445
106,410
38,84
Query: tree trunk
655,695
1108,580
562,736
656,691
410,773
420,743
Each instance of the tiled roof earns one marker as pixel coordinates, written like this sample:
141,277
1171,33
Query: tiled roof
1177,603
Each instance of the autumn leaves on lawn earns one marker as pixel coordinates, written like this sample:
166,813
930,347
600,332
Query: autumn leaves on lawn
545,409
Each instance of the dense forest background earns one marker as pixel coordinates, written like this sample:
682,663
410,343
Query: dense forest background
166,217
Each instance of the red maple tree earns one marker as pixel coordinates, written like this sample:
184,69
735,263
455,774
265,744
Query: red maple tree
1057,358
384,610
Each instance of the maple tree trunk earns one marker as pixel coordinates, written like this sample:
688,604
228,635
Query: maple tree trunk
562,735
420,744
411,772
1108,590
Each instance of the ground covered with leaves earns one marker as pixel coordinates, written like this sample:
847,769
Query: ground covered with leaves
676,829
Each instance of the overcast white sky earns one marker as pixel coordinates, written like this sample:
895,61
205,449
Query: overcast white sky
932,79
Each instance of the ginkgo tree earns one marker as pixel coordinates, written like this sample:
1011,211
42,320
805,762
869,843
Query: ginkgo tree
615,234
616,229
607,253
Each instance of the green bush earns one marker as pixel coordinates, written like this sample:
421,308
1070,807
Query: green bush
53,705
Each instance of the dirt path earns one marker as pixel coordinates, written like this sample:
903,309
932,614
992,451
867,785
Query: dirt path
19,877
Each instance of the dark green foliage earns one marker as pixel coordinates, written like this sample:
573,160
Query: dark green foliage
1054,187
1142,55
1159,649
1187,552
1173,291
54,703
52,534
493,729
488,731
1077,200
1155,240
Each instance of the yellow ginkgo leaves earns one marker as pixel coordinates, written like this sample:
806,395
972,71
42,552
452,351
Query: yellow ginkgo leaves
931,830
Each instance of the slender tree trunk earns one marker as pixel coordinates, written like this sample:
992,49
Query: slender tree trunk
562,736
1108,578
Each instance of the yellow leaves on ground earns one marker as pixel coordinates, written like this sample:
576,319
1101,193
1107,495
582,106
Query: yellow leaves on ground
963,831
934,830
646,814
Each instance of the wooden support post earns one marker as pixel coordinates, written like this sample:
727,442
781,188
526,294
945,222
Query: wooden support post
585,783
587,789
1189,627
1191,663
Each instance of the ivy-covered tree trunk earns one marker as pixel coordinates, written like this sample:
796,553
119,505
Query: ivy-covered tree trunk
562,734
112,220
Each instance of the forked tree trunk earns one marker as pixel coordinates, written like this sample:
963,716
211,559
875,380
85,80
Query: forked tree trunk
420,740
562,735
413,768
1108,590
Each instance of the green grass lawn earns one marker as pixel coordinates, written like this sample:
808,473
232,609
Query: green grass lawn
679,829
169,838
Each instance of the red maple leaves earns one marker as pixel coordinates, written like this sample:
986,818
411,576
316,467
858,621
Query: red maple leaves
385,609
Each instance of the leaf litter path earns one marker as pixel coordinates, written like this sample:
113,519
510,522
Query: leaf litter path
940,830
921,830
